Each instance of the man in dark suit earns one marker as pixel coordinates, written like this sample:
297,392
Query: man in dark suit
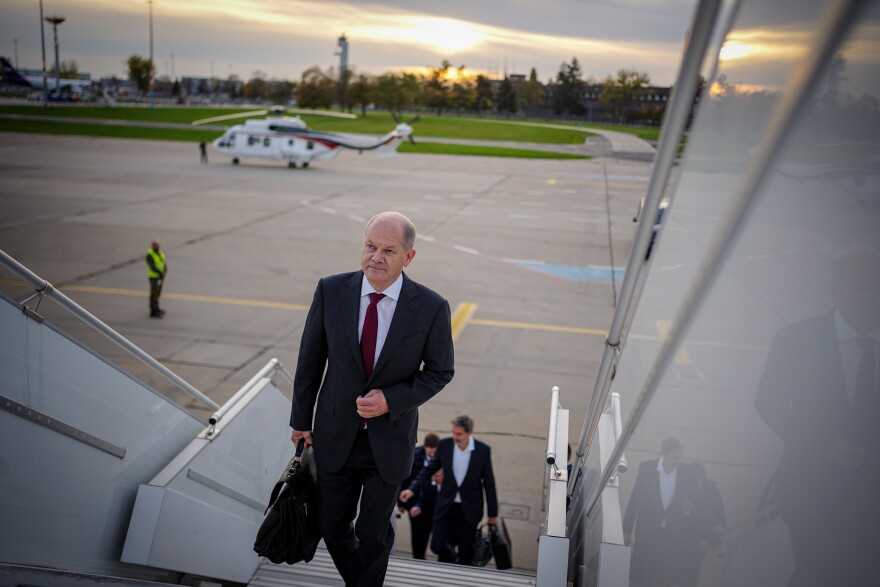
421,507
820,393
467,474
375,346
657,510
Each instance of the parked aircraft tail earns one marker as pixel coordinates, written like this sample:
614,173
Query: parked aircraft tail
11,75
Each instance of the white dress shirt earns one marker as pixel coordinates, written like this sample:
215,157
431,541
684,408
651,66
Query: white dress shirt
851,351
384,310
461,460
667,487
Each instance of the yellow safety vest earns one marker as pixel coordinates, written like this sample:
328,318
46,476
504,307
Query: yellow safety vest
158,261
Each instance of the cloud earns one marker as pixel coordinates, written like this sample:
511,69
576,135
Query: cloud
284,37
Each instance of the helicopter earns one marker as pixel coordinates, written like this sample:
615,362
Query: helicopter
284,138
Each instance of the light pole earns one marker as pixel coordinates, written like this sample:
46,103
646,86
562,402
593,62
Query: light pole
150,85
43,42
55,21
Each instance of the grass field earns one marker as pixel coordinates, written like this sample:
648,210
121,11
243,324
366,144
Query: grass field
163,134
375,123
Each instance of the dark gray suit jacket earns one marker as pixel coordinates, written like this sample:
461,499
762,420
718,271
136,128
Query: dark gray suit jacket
479,478
416,362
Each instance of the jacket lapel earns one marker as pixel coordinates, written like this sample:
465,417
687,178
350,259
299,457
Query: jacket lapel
351,307
474,464
406,310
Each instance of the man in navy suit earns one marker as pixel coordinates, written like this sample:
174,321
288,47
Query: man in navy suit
820,393
375,346
658,509
467,474
421,508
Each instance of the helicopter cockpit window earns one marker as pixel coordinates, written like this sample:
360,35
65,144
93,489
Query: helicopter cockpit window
266,141
231,140
310,145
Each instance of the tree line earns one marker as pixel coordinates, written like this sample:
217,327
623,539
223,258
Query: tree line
442,89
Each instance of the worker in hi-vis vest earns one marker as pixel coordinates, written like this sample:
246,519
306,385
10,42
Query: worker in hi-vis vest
156,270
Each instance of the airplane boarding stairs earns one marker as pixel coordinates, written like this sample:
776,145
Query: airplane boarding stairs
105,481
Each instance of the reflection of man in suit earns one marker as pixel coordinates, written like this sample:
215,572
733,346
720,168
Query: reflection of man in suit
421,509
467,473
820,394
657,510
376,345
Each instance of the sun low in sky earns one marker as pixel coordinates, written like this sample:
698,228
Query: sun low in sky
284,37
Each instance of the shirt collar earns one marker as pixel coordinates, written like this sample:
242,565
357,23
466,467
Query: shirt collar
846,332
468,448
392,291
661,470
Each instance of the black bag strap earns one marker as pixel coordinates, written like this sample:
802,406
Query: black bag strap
291,472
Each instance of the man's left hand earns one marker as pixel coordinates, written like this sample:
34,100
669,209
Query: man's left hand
372,405
492,522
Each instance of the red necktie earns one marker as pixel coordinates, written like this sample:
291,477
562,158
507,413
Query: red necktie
368,334
368,337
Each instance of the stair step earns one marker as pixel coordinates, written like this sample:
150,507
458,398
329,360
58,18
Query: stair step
402,572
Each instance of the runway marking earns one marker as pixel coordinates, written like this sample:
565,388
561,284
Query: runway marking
533,326
114,291
461,317
682,357
466,250
517,216
551,181
465,319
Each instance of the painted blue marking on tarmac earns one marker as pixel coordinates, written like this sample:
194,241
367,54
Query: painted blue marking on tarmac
578,272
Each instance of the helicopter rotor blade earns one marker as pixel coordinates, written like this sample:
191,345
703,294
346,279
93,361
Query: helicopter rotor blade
322,113
414,119
412,140
230,117
395,116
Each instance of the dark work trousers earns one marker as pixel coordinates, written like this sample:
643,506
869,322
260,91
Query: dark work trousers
453,530
420,526
155,292
360,553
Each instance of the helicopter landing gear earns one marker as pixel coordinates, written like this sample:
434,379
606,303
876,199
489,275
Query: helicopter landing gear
305,164
235,160
291,164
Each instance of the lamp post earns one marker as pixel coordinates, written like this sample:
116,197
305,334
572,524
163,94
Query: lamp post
43,43
150,85
55,21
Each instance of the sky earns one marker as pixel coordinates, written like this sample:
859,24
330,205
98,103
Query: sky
284,37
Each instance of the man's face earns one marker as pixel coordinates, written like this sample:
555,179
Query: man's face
430,451
155,245
383,256
672,459
461,437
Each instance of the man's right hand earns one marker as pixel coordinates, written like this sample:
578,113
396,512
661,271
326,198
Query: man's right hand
406,495
295,436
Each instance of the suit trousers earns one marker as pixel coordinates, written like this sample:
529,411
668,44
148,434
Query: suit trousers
420,526
453,530
360,553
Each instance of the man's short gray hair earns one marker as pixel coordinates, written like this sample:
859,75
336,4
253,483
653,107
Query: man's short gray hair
409,229
463,422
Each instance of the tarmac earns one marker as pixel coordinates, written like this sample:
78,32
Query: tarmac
524,250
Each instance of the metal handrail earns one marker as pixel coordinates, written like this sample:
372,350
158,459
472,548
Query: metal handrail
269,370
835,25
675,121
43,287
617,427
551,435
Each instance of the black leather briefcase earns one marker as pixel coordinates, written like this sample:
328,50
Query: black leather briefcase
501,548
